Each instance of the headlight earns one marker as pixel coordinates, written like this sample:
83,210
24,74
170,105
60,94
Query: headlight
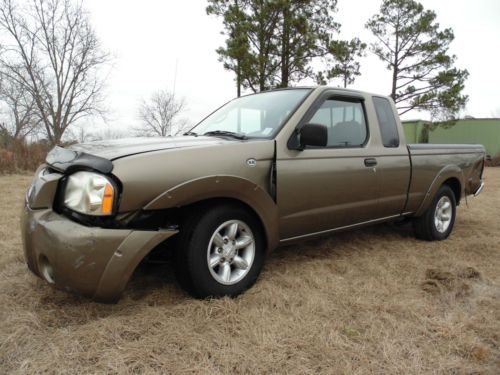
89,193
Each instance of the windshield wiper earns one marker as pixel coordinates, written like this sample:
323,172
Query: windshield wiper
226,133
190,133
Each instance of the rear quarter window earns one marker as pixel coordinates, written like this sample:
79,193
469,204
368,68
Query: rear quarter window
386,122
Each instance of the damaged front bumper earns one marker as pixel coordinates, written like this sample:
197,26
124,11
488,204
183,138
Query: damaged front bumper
95,262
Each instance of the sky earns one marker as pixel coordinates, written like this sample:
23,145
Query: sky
158,44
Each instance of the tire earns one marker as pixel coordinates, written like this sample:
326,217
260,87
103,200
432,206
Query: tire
437,221
210,238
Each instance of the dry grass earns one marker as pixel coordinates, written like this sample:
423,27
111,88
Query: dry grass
370,301
17,156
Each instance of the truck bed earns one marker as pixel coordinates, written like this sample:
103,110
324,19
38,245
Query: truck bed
432,163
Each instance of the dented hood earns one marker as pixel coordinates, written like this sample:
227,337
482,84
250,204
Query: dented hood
99,155
119,148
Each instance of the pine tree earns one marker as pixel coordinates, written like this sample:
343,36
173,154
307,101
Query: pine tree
271,43
415,49
304,29
343,54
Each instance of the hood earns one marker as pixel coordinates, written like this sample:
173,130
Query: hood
98,155
119,148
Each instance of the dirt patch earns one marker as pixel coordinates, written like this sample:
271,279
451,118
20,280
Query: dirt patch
469,273
438,281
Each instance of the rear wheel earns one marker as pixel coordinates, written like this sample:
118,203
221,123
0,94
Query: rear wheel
220,252
437,221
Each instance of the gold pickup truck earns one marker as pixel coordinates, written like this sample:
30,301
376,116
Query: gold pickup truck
261,171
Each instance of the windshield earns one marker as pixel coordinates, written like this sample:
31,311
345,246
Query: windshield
253,116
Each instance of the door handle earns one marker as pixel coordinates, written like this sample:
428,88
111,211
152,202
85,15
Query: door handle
370,162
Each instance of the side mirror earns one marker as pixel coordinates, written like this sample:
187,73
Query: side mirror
313,135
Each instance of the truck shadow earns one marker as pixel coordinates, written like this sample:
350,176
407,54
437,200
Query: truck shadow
154,284
159,274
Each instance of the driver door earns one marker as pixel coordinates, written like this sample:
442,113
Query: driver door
324,188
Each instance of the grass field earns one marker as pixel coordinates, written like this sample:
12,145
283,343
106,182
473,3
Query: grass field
371,301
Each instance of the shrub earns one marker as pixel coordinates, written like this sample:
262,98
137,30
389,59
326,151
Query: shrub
17,156
492,161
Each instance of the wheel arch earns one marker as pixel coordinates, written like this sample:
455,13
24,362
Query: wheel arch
224,188
450,175
455,186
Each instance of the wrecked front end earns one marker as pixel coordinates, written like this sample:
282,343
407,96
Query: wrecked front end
76,241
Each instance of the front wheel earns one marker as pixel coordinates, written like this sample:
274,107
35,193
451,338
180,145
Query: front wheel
220,252
437,221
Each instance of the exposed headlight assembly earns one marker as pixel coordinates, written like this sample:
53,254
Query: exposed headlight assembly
89,193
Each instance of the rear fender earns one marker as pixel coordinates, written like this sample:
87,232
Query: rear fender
224,186
449,171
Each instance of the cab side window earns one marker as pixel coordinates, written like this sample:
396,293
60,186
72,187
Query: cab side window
386,122
345,121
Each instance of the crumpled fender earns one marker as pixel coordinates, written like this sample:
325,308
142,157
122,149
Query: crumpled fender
224,186
125,260
449,171
96,262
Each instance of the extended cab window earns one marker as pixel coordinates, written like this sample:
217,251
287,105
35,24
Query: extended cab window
386,122
345,121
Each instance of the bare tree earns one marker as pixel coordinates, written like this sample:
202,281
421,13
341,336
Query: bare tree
20,117
159,114
182,126
82,134
54,54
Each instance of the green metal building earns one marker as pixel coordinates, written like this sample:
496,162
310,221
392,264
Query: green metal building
485,131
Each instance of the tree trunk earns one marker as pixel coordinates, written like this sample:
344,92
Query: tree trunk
262,55
395,67
394,81
285,40
56,139
238,79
